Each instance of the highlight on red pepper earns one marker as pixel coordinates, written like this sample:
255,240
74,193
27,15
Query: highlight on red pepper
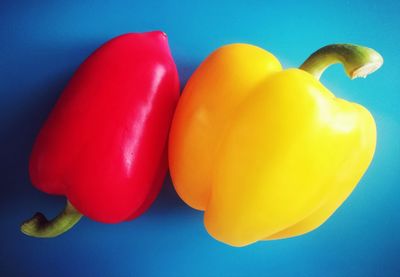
104,145
269,153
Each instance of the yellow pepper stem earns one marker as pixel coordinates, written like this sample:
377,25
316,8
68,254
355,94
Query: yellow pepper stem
40,227
358,61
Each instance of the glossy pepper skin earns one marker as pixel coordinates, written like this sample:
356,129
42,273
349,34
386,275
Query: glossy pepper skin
269,153
104,145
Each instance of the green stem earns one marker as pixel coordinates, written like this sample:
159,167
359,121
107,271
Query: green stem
38,226
358,61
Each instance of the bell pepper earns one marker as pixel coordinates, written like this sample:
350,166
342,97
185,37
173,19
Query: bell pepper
269,153
104,144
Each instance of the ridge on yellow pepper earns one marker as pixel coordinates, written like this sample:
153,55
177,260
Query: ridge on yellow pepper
269,153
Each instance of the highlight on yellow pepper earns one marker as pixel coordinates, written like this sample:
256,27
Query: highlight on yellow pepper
269,153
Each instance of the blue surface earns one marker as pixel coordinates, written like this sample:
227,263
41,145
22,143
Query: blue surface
43,42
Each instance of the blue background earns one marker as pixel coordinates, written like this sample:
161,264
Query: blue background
43,42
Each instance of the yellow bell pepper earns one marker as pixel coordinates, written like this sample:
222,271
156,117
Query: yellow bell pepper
269,153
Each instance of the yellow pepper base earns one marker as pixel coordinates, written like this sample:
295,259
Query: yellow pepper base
266,153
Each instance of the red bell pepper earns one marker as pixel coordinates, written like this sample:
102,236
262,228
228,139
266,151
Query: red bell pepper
104,144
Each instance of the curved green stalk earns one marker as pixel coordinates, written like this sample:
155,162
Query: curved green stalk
38,226
358,61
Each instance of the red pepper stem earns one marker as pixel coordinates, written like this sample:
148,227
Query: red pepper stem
38,226
358,61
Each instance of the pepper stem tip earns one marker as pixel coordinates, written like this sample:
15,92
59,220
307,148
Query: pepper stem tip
40,227
358,61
